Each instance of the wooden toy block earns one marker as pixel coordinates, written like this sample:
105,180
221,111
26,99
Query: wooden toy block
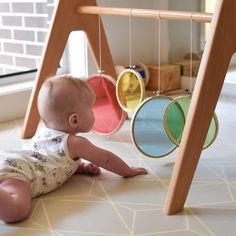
185,67
169,77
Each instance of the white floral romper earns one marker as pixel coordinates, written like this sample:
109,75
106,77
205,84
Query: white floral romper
44,162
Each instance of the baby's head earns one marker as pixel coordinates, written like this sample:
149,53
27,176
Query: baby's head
65,103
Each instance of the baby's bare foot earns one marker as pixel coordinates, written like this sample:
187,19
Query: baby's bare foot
88,168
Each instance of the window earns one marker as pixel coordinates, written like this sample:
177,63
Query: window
23,29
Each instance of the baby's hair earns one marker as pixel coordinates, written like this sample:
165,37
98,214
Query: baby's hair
80,84
59,96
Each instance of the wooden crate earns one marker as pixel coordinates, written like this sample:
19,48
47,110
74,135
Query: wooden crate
170,77
185,67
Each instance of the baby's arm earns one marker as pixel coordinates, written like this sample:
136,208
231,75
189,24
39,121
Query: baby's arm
83,148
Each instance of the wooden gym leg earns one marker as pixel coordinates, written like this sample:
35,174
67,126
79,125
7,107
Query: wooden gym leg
217,54
50,61
64,21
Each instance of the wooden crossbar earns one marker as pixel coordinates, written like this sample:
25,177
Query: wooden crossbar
146,13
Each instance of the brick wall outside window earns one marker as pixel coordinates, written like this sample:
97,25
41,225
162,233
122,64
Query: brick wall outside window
23,29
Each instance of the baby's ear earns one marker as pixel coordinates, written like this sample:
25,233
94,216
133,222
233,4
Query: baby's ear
74,120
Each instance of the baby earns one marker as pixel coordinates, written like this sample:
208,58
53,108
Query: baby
55,153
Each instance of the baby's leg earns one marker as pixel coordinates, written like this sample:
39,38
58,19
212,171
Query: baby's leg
15,200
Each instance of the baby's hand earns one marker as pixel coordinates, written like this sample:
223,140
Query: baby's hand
136,171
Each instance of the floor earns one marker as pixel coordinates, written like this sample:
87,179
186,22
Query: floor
114,206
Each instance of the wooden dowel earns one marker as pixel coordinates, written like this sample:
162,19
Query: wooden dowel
146,13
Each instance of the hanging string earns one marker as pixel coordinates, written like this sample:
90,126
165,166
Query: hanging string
191,55
100,43
159,54
130,39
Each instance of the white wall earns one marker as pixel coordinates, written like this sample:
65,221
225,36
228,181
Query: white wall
144,44
164,34
175,35
179,31
76,54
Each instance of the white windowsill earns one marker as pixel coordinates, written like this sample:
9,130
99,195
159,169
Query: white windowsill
15,94
16,87
14,99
